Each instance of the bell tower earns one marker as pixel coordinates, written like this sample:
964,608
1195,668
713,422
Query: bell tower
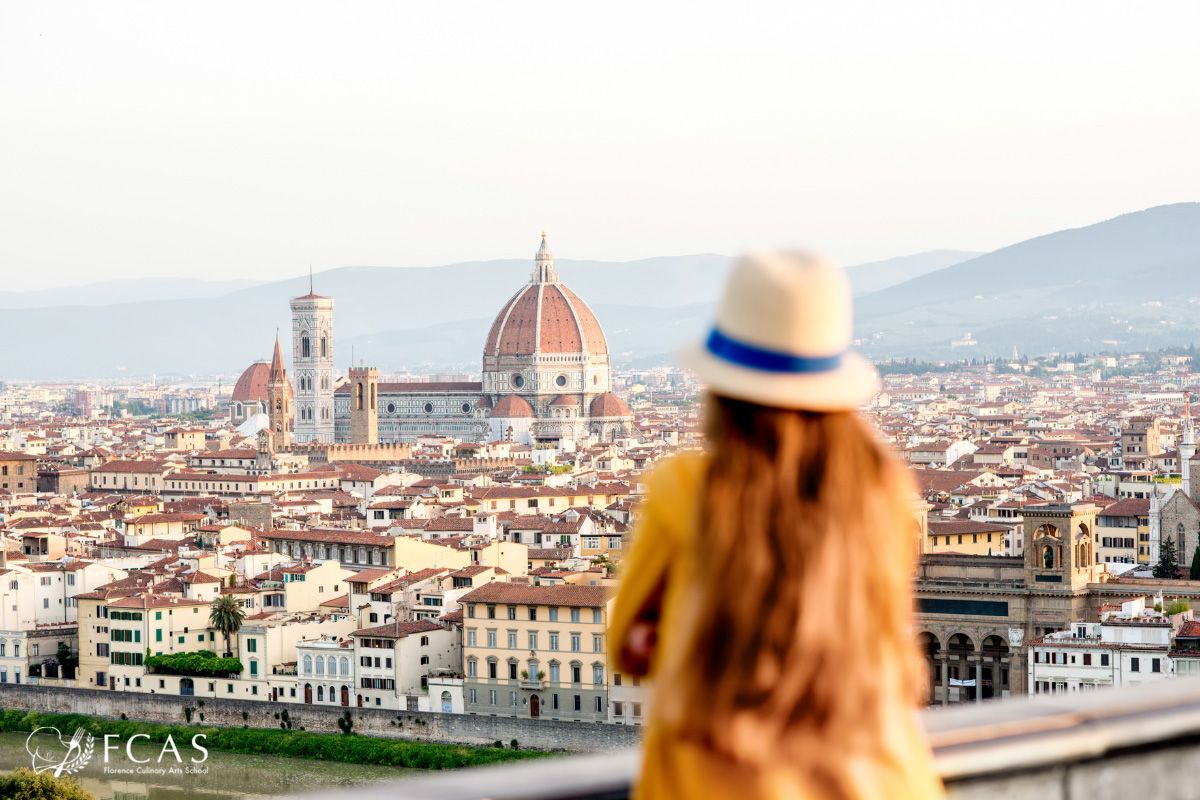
364,412
279,402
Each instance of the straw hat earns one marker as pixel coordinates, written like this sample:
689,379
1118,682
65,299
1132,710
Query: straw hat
782,337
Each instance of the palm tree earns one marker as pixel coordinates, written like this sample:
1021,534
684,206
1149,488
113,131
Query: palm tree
226,616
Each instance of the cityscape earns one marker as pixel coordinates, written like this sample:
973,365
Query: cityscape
543,402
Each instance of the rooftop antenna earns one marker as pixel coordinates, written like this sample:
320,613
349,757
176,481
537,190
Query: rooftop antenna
310,282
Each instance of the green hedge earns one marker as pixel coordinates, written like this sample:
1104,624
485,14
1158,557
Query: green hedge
354,749
203,663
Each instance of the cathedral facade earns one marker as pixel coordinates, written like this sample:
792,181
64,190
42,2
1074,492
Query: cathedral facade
546,376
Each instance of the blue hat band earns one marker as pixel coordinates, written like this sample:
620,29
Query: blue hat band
748,355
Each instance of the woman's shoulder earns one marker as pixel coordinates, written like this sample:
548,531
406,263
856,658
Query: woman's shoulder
677,477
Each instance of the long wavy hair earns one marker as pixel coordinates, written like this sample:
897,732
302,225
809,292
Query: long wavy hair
796,632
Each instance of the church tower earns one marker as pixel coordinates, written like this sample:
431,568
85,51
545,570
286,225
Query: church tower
364,413
312,363
279,404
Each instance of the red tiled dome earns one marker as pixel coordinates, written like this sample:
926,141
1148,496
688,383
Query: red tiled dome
513,406
563,400
609,405
252,385
545,318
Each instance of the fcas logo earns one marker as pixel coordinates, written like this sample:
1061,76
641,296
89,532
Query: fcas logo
64,756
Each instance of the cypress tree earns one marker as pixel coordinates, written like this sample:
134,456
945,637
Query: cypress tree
1168,560
1195,572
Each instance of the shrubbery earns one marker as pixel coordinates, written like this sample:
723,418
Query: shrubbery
352,748
203,662
23,784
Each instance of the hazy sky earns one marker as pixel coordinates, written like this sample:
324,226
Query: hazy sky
241,139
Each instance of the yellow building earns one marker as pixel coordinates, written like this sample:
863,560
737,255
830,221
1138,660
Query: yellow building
537,651
965,538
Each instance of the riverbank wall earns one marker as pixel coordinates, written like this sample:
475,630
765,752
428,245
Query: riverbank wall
468,729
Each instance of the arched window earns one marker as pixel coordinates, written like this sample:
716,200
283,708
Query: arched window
358,400
308,665
372,397
320,666
345,666
332,666
323,349
320,694
305,349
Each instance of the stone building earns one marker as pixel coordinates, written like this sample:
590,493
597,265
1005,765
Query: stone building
312,367
973,613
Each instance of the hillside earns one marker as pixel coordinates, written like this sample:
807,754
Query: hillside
877,275
1128,282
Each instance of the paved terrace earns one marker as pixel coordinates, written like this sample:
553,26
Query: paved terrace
1141,742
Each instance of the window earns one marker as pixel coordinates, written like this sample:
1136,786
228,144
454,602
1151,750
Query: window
553,672
599,704
597,646
424,641
637,709
471,611
512,612
533,640
574,615
512,670
491,612
1134,665
492,696
576,673
471,669
554,702
512,699
491,638
1155,665
424,660
596,616
473,699
532,613
492,670
578,702
471,637
575,642
597,674
554,641
1087,659
554,614
512,640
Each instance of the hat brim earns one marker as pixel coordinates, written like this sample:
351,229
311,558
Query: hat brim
850,385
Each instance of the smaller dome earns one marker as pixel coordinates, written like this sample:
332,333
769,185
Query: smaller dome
563,400
484,402
251,387
609,405
513,406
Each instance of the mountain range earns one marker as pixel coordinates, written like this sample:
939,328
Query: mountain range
1126,283
396,318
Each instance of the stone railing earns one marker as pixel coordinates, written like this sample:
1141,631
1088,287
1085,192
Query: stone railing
1139,742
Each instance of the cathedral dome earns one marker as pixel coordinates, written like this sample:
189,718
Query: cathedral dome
513,406
609,405
251,387
545,317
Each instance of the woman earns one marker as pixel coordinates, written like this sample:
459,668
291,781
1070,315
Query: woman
767,592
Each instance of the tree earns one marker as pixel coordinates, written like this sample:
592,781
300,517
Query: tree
1194,574
1168,560
226,616
67,660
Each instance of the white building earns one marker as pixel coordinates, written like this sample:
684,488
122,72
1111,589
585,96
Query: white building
393,662
1117,652
312,368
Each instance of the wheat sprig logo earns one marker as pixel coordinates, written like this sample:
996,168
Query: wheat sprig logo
65,757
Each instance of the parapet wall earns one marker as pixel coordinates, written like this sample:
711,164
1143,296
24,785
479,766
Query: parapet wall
576,737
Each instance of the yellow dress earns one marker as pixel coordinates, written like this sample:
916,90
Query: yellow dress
680,770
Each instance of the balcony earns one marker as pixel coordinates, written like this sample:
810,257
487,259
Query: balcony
1135,742
535,685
